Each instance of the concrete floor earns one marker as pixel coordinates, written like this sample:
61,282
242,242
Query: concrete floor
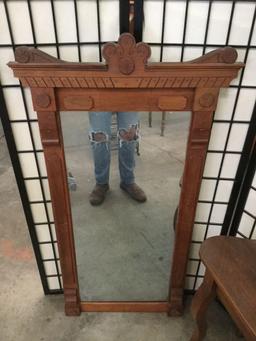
26,314
124,248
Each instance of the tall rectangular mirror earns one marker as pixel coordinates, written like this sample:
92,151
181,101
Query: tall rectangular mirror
123,247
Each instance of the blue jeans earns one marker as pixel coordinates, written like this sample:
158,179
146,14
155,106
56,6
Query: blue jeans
100,135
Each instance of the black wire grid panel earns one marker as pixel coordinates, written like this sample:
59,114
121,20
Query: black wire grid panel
188,30
247,223
243,223
182,30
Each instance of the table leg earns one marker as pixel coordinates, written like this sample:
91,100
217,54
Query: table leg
203,297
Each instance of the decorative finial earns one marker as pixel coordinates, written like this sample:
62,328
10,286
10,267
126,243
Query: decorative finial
126,56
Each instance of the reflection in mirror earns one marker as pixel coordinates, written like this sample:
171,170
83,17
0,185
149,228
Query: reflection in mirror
124,247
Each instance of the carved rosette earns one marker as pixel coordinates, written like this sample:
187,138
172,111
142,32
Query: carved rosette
126,56
43,99
205,99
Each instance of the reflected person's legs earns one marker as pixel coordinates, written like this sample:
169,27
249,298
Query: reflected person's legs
100,133
128,136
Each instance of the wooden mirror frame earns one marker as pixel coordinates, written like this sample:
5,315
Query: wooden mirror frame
127,82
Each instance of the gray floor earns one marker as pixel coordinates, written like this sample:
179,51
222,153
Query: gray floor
26,314
124,248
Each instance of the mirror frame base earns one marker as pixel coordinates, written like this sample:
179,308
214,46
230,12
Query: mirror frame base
122,306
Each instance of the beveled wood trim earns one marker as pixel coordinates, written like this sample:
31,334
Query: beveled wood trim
126,82
198,138
123,307
52,141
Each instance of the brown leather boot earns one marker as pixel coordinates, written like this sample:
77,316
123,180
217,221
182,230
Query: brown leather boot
134,191
98,194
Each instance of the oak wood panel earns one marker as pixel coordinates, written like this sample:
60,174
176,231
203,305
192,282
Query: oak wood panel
51,136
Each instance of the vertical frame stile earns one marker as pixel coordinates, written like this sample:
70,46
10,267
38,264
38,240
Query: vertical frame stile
52,140
199,133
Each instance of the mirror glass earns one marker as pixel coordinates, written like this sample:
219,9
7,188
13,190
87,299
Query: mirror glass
124,247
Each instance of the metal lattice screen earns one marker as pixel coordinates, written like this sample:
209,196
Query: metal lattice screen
75,31
186,30
247,226
244,221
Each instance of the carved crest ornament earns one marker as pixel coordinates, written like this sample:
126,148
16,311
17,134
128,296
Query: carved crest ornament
126,82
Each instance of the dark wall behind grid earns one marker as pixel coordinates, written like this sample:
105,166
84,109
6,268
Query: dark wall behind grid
215,211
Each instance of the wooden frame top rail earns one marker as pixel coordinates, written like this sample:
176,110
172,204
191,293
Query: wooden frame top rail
126,67
125,82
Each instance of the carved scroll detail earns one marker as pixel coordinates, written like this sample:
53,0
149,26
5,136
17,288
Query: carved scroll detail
24,54
126,52
227,55
126,55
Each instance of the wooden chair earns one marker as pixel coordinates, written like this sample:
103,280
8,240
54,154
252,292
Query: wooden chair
231,276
